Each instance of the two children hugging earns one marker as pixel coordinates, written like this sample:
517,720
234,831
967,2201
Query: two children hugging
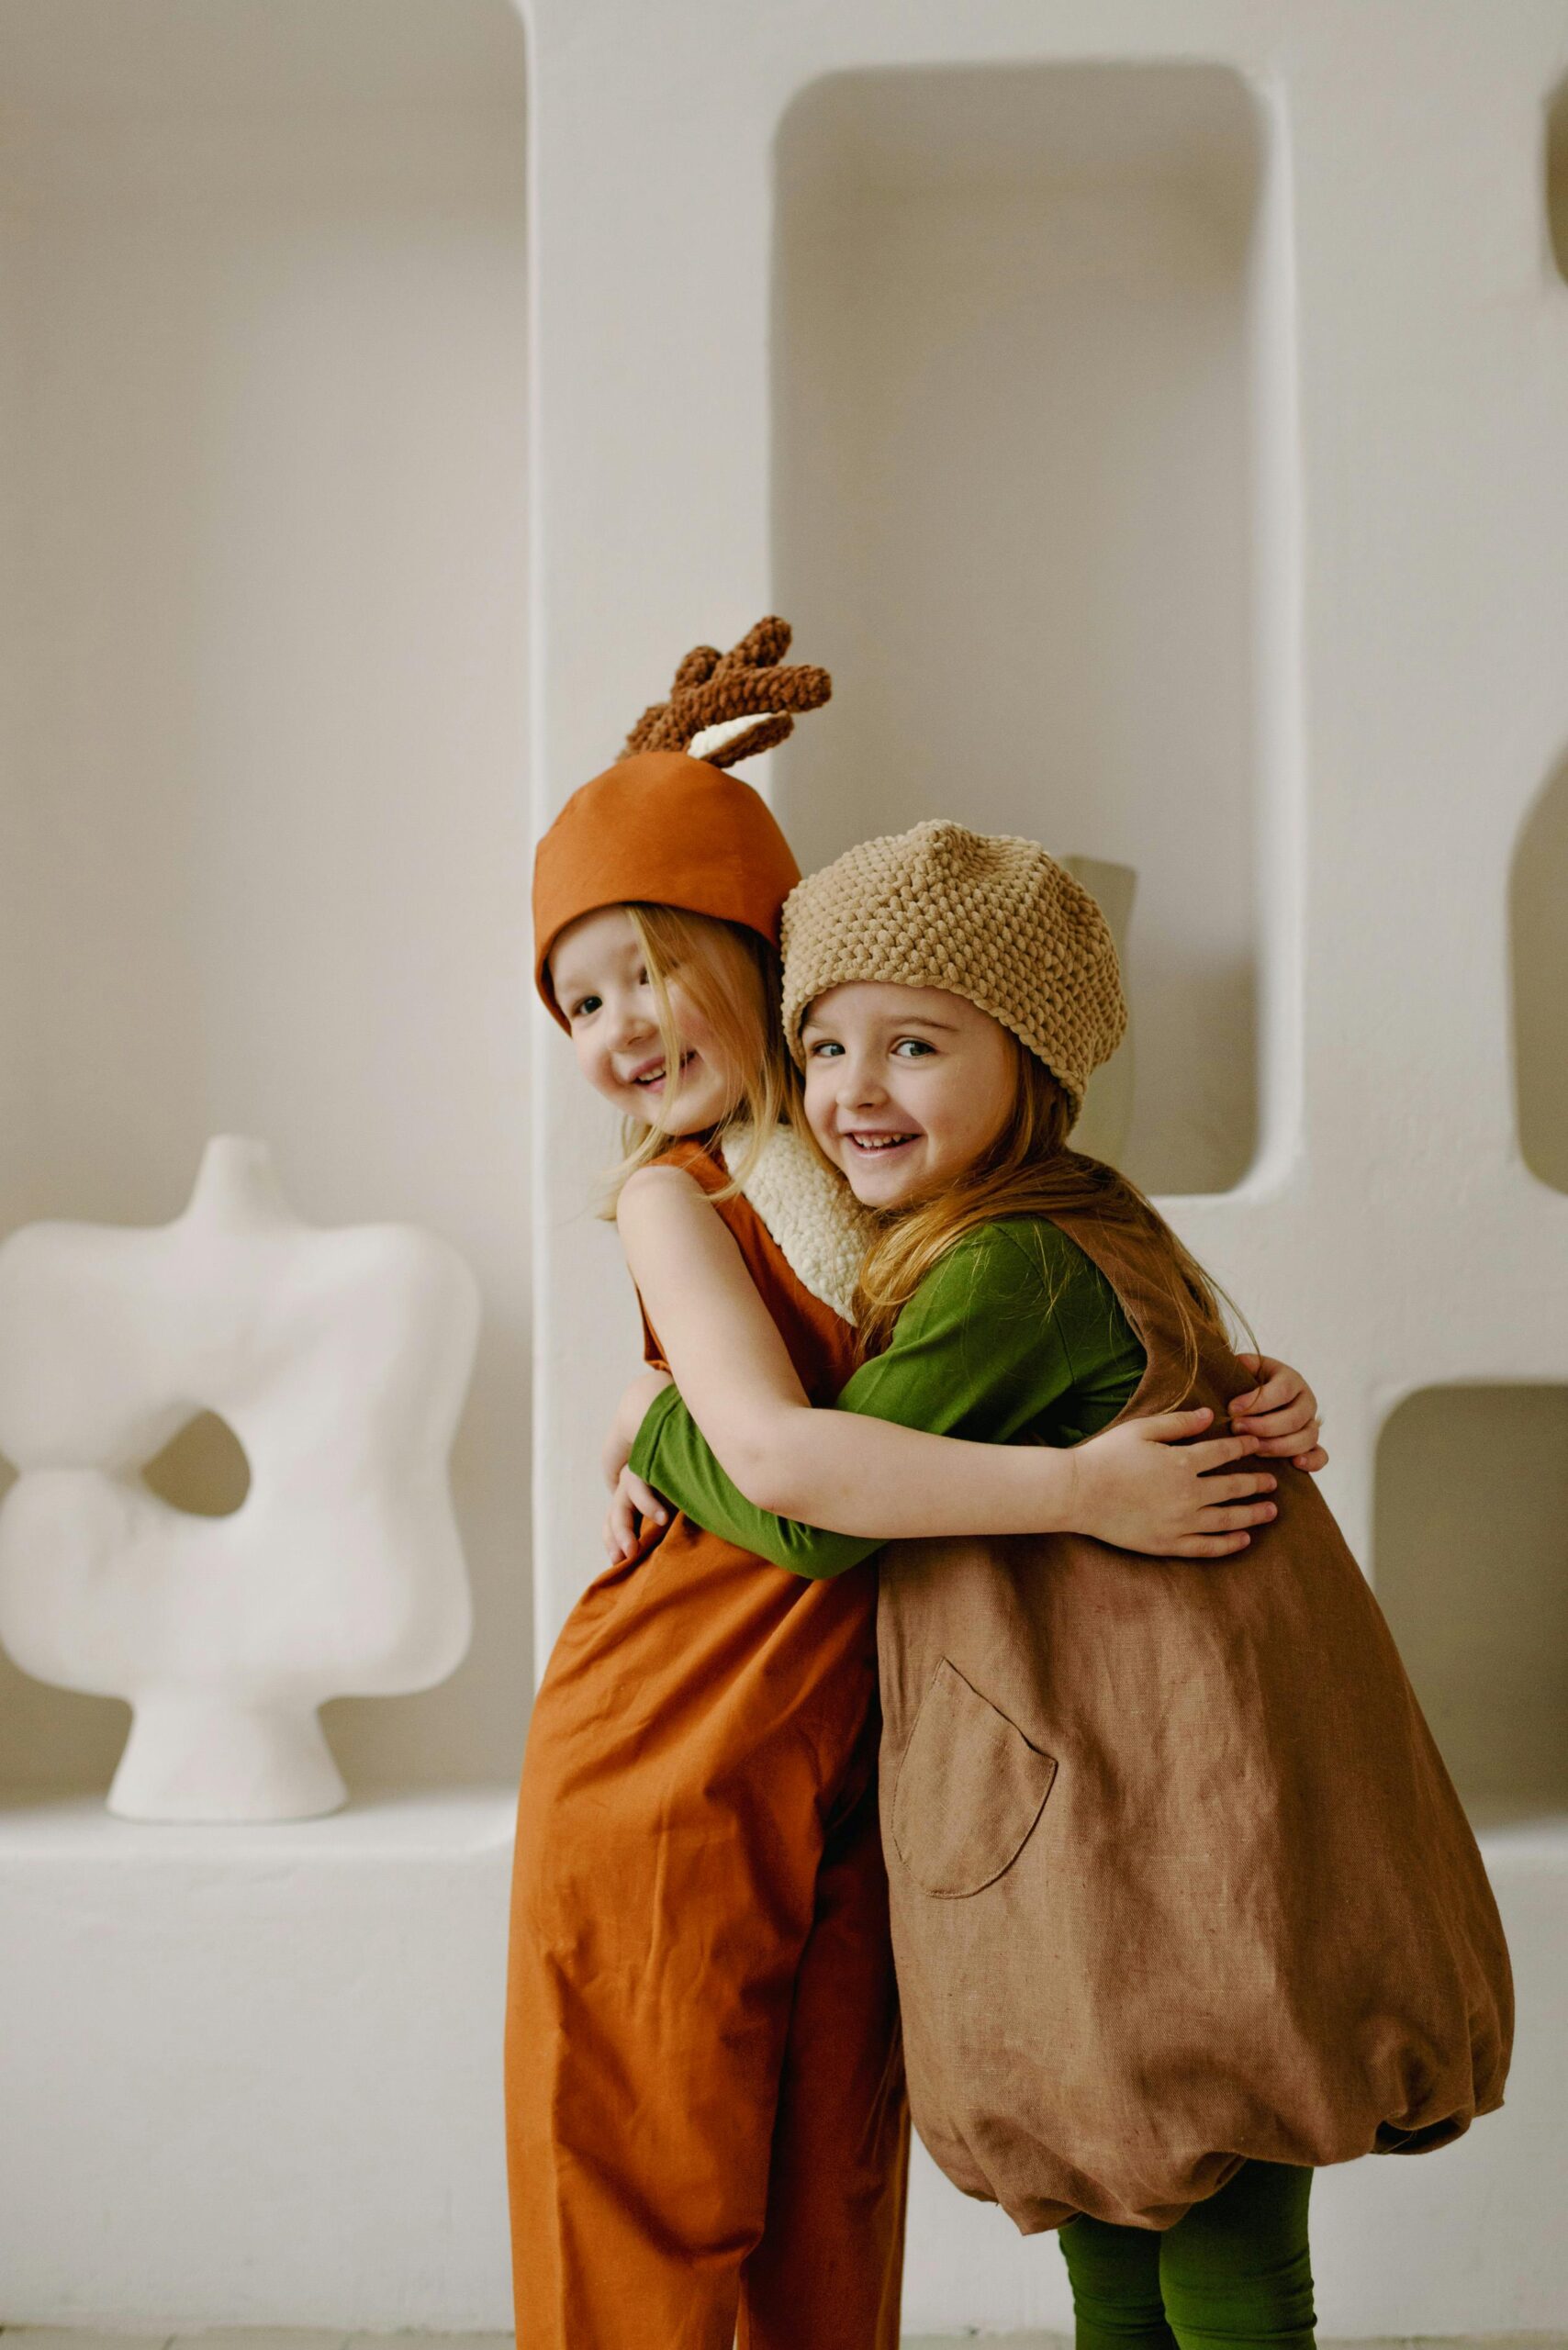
1159,1863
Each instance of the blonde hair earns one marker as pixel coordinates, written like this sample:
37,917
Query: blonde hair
730,976
1030,1171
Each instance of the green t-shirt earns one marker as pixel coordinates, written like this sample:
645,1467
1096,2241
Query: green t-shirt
1014,1333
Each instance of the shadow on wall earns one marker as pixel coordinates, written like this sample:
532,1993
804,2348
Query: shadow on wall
1557,176
1538,935
1020,408
1470,1568
1538,881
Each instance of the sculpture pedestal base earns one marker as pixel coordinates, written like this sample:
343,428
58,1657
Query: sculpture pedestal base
196,1758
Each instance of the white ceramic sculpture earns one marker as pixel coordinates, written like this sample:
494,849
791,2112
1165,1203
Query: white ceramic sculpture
341,1359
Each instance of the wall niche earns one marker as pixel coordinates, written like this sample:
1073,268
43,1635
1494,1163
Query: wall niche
1557,177
1538,942
1471,1567
1026,385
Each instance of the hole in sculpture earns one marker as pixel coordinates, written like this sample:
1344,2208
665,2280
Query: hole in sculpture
1538,938
1471,1559
202,1470
1557,177
1026,350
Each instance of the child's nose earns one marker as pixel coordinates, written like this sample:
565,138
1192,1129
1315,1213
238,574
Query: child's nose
634,1024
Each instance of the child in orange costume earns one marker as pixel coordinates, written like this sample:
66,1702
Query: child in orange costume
706,2117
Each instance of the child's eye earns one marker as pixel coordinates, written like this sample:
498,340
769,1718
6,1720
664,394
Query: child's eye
826,1050
585,1006
911,1046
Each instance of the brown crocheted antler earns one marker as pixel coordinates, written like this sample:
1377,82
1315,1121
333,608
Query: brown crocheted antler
711,687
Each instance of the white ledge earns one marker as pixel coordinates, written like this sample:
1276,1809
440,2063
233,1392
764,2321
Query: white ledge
435,1823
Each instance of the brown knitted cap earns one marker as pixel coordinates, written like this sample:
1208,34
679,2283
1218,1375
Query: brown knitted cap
986,916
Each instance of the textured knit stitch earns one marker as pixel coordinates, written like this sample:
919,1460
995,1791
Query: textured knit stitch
987,916
810,1214
747,681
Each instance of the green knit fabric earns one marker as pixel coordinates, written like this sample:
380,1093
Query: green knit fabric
1014,1333
1234,2274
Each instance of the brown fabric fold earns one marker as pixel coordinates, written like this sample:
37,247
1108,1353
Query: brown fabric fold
1178,1876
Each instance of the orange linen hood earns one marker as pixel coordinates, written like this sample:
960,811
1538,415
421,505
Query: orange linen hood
660,828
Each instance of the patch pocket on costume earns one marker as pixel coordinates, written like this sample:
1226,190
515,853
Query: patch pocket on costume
969,1790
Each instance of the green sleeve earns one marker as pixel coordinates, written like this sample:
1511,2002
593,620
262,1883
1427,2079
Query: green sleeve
1013,1333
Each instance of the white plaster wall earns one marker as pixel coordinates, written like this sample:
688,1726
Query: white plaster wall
264,470
263,733
263,866
1409,601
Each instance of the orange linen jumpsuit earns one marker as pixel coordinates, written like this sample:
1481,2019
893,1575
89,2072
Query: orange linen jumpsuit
706,2117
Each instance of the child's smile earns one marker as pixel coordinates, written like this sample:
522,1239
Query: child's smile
905,1087
648,1076
600,974
869,1141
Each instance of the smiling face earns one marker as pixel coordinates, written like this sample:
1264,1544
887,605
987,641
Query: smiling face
598,969
905,1087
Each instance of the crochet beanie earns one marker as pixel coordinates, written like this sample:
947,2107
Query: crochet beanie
986,916
662,828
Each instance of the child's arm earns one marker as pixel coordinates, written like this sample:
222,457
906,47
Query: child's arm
630,1414
865,1476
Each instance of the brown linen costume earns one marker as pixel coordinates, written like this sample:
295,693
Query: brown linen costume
1177,1875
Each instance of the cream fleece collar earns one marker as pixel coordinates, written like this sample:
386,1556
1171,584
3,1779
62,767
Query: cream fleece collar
820,1227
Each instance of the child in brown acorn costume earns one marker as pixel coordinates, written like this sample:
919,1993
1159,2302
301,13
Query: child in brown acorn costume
705,2104
1183,1901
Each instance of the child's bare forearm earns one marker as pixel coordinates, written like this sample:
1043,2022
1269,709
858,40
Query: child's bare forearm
852,1474
843,1471
630,1414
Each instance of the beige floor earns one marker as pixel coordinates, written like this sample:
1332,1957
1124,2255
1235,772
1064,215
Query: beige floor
39,2337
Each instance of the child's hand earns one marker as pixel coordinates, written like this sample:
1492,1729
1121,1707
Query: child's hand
630,1414
1142,1487
1282,1411
631,1502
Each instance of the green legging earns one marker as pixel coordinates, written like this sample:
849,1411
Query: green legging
1234,2274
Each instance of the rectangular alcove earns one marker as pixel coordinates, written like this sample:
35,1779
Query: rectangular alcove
1032,473
1471,1567
1538,939
262,537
